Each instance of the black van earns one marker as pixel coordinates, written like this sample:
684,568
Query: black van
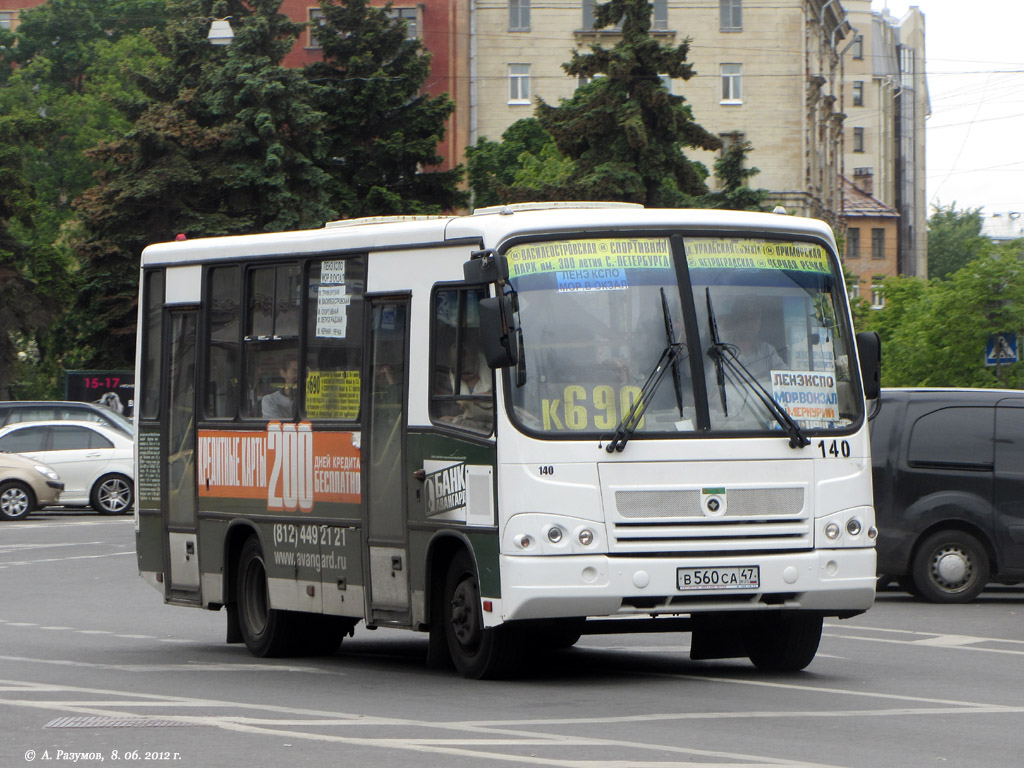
948,469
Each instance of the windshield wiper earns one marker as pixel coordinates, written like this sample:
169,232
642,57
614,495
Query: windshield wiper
631,419
715,344
726,359
670,337
738,372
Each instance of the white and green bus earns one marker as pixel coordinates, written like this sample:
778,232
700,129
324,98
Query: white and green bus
508,429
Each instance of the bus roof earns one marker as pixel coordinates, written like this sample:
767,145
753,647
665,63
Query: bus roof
488,227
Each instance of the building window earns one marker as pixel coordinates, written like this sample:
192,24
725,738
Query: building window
316,19
853,243
877,243
858,47
855,290
659,17
877,294
411,18
858,93
6,19
858,139
731,90
730,14
518,83
518,15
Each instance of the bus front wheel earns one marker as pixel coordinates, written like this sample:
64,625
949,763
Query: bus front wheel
477,652
266,631
784,642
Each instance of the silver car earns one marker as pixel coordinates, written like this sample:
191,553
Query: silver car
25,486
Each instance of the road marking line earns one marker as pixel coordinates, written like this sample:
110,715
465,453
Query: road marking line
855,628
919,643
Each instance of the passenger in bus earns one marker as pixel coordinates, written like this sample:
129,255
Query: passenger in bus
281,403
742,327
476,378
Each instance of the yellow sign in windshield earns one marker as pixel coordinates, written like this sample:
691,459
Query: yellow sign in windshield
719,253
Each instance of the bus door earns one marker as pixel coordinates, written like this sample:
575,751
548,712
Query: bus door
179,460
384,444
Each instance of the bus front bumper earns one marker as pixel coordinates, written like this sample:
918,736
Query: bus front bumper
832,582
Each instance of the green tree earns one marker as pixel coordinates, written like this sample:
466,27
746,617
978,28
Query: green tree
381,130
935,333
224,141
30,281
69,33
954,239
624,131
732,172
522,159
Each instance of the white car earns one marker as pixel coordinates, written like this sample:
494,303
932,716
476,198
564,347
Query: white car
95,462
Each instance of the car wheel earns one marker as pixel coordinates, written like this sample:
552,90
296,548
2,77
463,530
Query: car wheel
16,500
950,567
112,495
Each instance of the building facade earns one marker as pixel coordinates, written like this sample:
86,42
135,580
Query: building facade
886,105
871,242
769,69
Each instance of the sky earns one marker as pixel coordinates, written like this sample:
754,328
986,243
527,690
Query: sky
974,58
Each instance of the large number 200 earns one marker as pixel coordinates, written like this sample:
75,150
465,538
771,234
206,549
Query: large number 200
291,469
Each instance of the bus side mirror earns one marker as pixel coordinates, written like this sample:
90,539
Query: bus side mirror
498,332
484,268
869,350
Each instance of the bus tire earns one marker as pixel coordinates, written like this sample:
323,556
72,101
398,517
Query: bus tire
556,635
950,567
267,632
784,642
476,652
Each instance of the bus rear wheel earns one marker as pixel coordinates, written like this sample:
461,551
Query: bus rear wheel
265,630
783,642
477,652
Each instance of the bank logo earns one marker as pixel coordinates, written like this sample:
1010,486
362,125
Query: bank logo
446,489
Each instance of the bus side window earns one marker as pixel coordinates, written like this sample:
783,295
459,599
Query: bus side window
462,385
334,339
272,342
223,325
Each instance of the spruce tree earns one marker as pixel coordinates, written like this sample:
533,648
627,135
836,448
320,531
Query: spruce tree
625,132
382,130
225,141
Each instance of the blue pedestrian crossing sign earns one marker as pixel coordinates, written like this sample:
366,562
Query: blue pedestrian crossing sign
1001,349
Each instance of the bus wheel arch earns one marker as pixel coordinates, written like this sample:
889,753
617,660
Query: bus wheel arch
443,549
476,651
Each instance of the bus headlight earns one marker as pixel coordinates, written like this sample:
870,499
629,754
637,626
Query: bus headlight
852,527
540,533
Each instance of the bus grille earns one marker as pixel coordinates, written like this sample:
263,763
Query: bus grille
671,520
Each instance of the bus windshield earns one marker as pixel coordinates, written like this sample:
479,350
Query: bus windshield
602,326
